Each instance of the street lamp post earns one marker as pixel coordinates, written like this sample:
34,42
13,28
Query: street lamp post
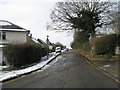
47,40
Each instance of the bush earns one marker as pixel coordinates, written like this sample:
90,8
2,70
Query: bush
81,39
86,47
23,54
106,44
44,50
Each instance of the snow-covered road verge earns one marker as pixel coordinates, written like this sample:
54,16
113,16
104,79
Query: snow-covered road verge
16,73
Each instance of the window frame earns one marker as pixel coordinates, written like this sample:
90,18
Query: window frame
3,36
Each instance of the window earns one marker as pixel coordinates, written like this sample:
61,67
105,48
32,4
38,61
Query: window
4,35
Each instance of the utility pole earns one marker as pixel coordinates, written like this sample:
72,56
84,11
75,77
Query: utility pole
47,40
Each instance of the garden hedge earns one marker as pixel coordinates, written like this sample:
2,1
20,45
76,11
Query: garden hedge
106,44
23,54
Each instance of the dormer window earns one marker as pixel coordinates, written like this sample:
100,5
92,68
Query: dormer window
4,35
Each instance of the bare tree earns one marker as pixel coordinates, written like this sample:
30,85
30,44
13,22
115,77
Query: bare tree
83,16
115,18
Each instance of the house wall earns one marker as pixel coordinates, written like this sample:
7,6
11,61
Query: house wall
3,42
12,37
16,37
50,47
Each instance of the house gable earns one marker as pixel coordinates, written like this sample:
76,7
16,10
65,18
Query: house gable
11,33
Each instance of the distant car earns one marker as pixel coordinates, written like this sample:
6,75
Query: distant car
58,49
66,49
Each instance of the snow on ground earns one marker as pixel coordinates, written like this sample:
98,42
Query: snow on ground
2,67
10,74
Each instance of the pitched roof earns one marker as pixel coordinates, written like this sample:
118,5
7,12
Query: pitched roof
41,41
8,26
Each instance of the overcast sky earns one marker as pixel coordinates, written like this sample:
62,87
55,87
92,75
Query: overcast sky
33,15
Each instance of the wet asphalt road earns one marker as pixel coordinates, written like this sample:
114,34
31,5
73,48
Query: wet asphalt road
68,70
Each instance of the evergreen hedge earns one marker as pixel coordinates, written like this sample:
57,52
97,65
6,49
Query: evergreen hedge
106,44
23,54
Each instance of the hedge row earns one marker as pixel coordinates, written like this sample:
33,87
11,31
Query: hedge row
23,54
106,44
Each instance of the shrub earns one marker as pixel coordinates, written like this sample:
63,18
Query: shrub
81,39
23,54
106,44
44,50
85,47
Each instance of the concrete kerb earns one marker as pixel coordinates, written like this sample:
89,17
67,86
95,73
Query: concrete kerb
29,72
52,59
105,72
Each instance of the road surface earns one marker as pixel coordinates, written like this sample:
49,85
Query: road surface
68,70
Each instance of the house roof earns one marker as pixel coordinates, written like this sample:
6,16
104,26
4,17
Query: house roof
34,40
8,26
41,41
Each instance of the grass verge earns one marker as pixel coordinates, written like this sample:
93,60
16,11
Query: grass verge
98,57
106,62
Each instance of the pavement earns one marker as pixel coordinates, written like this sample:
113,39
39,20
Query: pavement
69,70
9,75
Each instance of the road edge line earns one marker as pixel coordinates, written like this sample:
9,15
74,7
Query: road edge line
98,68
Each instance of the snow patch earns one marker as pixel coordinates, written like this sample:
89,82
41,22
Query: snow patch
2,67
106,66
10,74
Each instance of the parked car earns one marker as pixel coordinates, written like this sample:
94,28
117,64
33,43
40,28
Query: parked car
58,49
66,49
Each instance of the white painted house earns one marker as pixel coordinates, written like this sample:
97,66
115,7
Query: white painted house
11,33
